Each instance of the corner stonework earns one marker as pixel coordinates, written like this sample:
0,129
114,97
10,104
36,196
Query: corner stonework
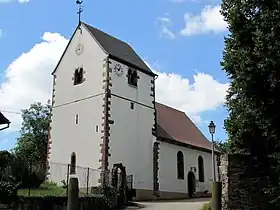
50,126
156,168
104,146
153,94
156,144
242,183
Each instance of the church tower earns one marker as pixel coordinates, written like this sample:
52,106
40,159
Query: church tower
103,109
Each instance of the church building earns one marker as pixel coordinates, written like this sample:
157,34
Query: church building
104,112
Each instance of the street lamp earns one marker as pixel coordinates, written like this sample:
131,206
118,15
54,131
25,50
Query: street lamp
212,127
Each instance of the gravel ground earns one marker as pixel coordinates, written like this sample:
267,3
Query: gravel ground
190,204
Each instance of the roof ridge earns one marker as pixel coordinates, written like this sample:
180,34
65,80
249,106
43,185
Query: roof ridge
118,49
98,29
170,107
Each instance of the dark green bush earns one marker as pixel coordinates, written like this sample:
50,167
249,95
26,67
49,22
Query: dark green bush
8,193
5,159
23,173
107,192
49,202
206,206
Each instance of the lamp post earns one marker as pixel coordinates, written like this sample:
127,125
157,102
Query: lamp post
217,186
212,127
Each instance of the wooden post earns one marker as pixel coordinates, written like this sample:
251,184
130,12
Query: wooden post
217,196
73,194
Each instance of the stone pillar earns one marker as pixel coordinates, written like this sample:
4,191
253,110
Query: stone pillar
73,194
216,196
242,183
224,180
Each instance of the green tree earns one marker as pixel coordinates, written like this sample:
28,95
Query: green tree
251,59
5,159
222,146
32,144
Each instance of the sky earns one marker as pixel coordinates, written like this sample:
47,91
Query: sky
181,40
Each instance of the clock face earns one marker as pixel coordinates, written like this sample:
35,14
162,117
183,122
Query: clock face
79,49
118,69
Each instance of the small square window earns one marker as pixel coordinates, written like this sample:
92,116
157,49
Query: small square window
131,105
77,119
78,76
96,128
132,77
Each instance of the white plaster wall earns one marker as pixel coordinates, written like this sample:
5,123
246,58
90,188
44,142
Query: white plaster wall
85,100
168,168
131,139
81,138
140,94
92,62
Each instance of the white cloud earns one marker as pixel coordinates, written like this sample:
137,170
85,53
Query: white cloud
209,20
165,25
28,79
1,33
204,94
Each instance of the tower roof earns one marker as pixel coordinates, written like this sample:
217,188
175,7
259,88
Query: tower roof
114,47
118,49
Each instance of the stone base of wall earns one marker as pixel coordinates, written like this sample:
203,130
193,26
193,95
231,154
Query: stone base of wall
243,182
148,195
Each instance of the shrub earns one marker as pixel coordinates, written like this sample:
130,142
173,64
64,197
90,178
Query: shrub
64,184
60,202
206,206
108,193
8,193
5,159
24,173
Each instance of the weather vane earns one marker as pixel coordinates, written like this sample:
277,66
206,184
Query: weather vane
79,2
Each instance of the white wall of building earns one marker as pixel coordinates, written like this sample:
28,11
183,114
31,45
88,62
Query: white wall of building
168,168
131,139
84,100
92,62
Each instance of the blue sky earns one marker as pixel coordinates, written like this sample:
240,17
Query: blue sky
182,40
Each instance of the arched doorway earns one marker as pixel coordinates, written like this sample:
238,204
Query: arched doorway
191,184
119,182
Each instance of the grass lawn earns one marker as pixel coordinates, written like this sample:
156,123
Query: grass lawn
47,189
50,190
43,192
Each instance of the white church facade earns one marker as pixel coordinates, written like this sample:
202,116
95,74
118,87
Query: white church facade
104,111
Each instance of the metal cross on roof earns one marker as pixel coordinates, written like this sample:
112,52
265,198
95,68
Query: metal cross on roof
80,9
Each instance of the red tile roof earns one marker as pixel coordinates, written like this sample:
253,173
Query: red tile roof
176,125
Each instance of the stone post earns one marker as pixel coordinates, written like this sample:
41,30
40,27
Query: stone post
217,196
73,194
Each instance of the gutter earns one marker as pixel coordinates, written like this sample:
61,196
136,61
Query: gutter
8,125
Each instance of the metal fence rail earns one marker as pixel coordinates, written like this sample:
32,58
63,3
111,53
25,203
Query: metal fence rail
87,177
59,174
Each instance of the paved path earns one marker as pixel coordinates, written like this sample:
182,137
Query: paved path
190,204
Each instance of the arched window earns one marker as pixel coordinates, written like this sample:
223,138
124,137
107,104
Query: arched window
180,165
73,163
200,169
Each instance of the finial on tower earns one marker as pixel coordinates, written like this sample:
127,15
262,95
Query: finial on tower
79,2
